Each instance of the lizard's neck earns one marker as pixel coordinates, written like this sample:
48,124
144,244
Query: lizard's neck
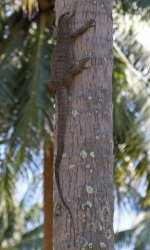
63,39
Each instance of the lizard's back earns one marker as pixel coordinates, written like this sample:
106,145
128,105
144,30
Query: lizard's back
61,59
60,64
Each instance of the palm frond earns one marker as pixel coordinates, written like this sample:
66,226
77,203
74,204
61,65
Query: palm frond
30,194
143,3
142,232
136,7
33,98
29,6
124,238
10,61
33,244
131,115
32,119
139,236
20,222
127,37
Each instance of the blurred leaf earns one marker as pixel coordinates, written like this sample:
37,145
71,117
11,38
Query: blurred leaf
138,236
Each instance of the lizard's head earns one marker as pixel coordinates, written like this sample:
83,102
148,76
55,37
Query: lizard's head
63,24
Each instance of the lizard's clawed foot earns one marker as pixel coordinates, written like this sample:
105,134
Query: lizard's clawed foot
77,68
91,23
83,61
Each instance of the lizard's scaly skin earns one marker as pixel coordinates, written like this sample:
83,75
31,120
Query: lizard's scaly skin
63,70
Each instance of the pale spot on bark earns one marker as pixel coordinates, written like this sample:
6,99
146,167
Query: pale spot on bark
92,154
89,204
88,166
90,97
97,137
72,166
90,245
83,154
92,226
102,245
81,242
100,227
83,206
64,155
105,213
108,234
89,189
75,113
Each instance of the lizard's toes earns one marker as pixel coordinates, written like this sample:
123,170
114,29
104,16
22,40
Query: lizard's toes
91,22
84,59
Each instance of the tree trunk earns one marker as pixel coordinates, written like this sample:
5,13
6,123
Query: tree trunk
86,170
48,196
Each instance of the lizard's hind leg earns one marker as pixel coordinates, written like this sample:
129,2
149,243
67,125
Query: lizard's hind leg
75,70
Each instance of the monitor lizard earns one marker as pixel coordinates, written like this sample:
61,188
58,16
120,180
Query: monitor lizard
63,70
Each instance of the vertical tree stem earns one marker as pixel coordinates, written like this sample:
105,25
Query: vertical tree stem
48,196
86,170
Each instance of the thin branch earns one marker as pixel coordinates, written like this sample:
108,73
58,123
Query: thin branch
130,66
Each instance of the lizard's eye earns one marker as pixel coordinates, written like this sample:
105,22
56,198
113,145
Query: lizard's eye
68,15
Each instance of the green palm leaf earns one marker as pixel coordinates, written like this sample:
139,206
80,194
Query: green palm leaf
139,235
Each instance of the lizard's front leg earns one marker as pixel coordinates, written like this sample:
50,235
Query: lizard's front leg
83,28
76,69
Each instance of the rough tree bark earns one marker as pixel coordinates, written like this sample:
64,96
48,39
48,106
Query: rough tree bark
48,196
86,170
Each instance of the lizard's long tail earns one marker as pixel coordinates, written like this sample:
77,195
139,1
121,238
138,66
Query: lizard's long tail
57,164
